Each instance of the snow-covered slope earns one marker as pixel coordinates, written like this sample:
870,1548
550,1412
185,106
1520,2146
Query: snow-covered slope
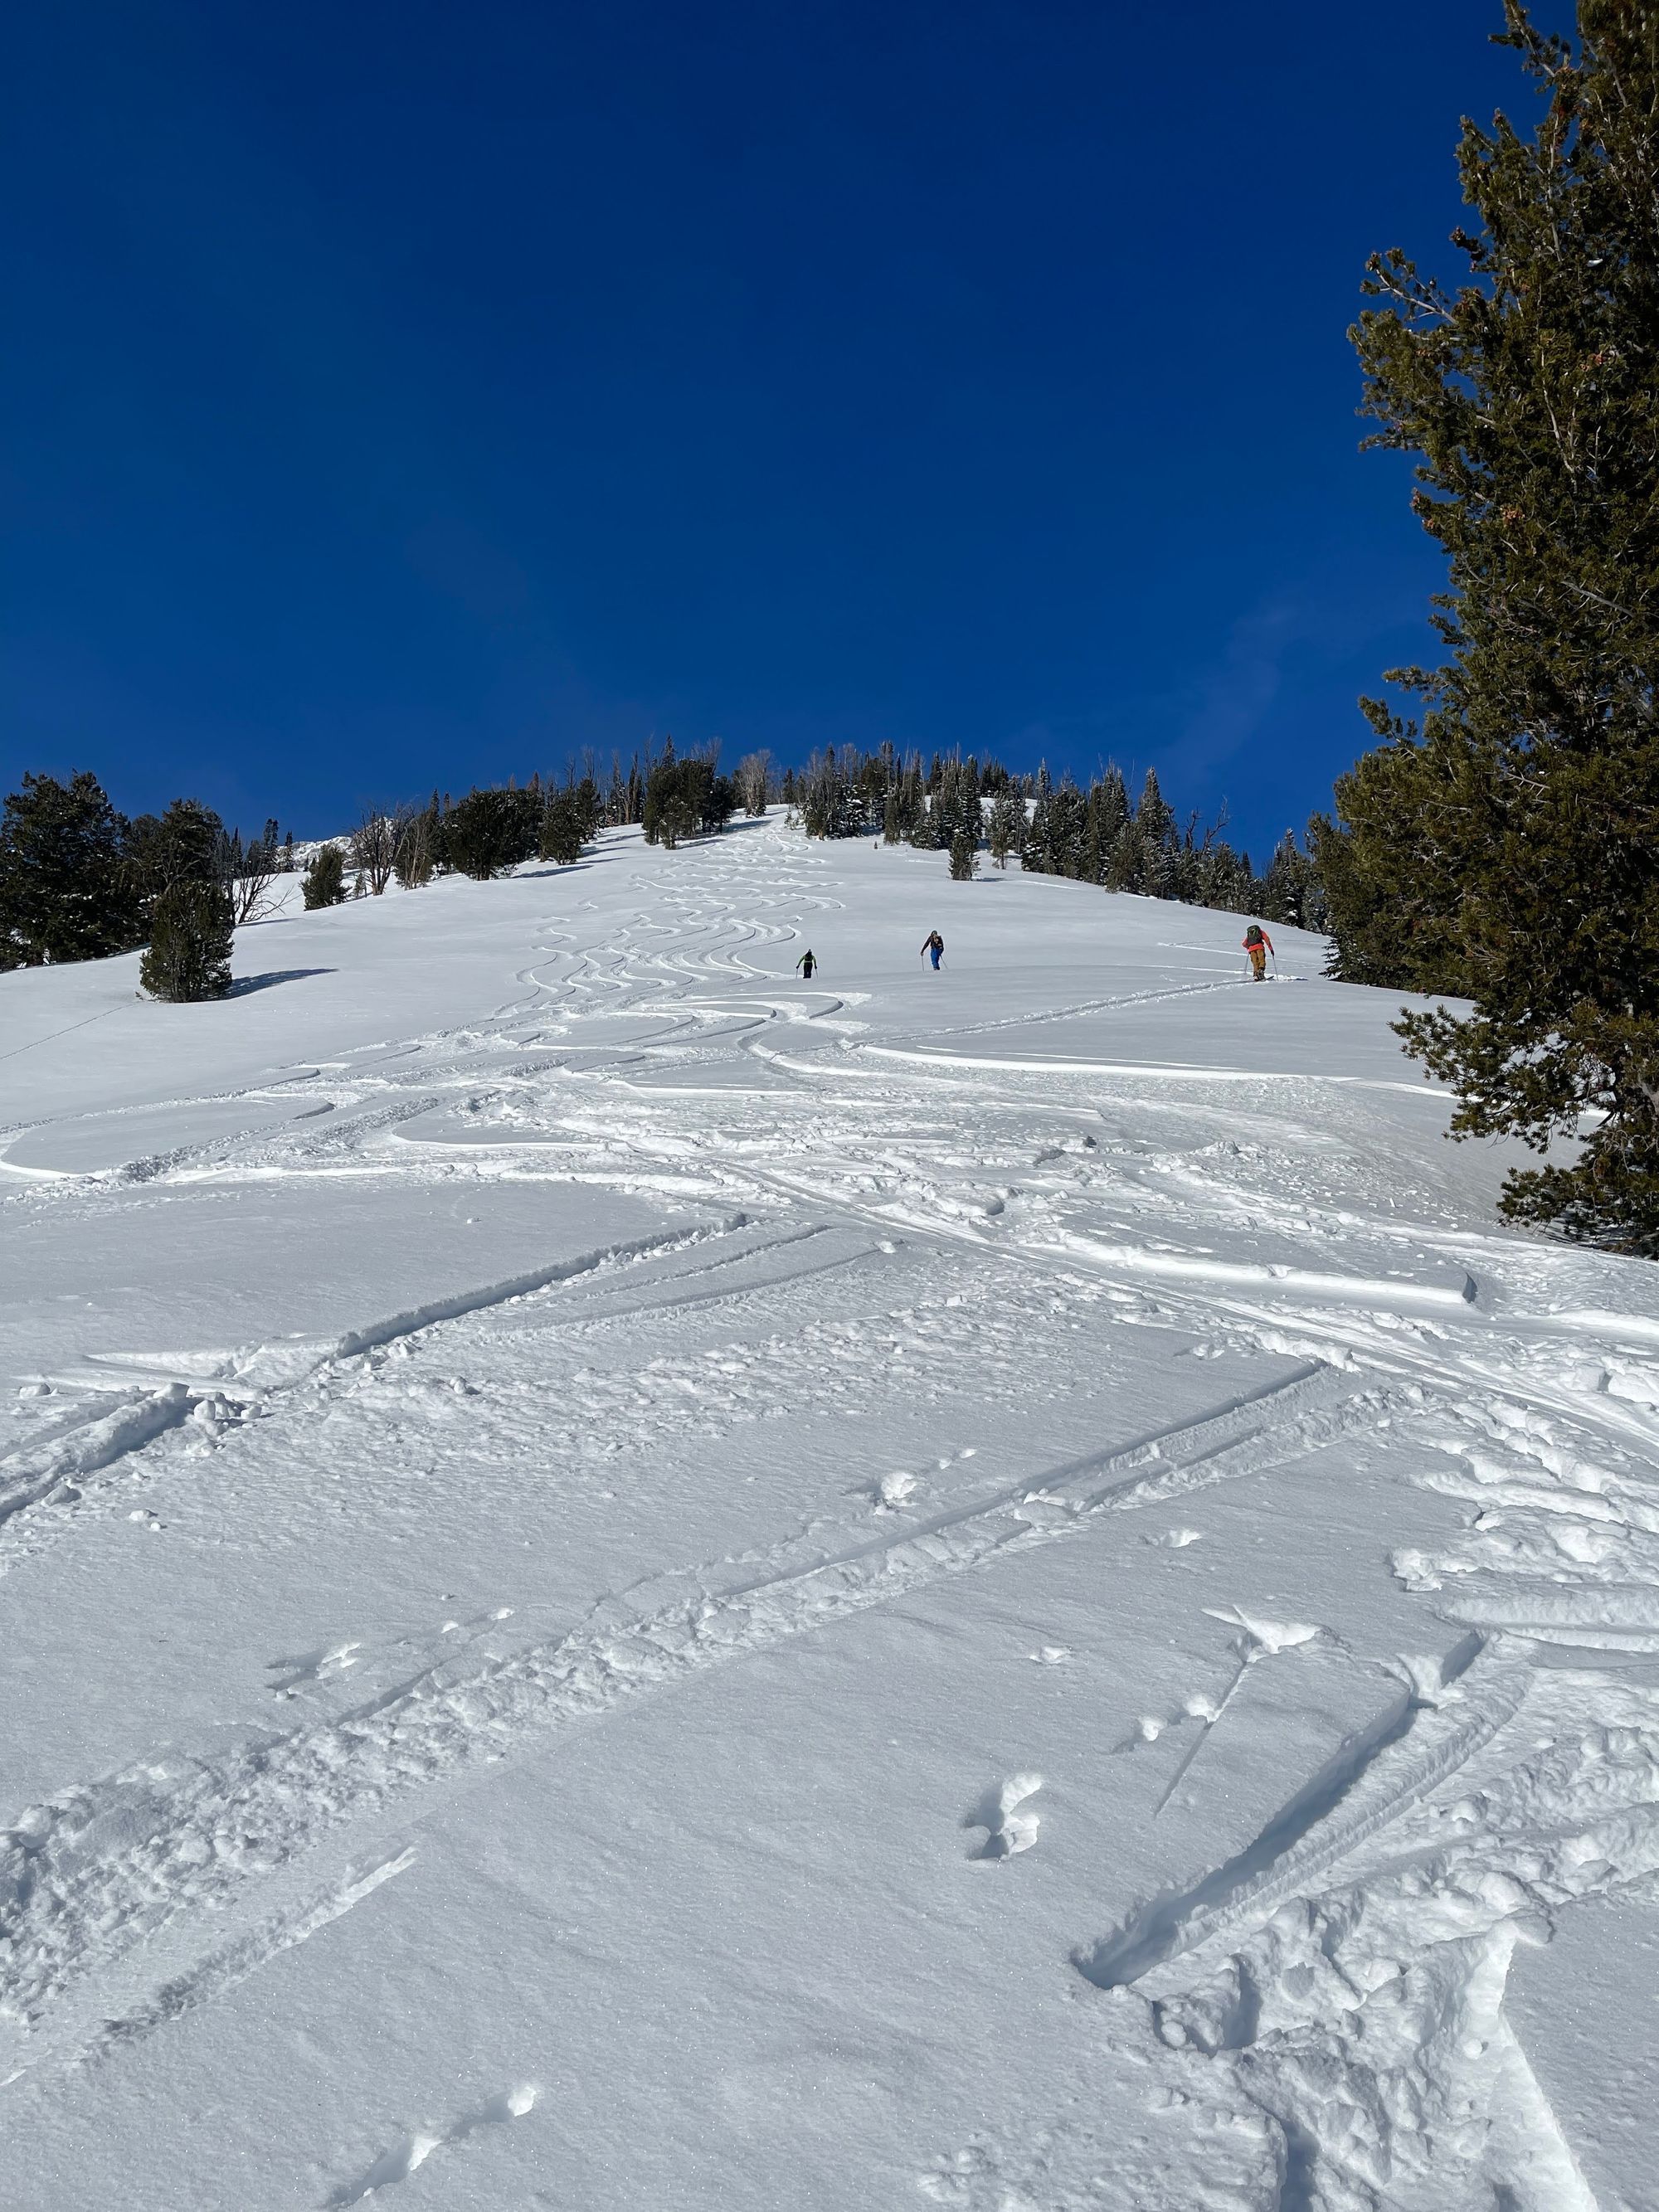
630,1581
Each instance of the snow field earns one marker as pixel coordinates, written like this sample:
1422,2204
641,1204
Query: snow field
991,1589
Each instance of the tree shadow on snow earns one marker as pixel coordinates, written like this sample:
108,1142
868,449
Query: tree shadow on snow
243,984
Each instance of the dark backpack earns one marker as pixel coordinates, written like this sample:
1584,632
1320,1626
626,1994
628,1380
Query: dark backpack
1253,935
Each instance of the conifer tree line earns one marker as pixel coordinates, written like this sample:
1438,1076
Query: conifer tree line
1502,844
671,796
79,881
1093,834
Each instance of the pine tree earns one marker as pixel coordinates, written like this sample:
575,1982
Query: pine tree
830,801
1006,829
964,858
565,827
1155,822
63,895
492,830
1284,893
188,957
185,844
1511,843
1125,867
324,881
1069,830
1039,837
1109,810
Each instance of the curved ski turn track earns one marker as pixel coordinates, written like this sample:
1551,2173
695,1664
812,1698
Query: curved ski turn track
633,1581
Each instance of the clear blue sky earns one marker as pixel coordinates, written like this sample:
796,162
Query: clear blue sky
406,394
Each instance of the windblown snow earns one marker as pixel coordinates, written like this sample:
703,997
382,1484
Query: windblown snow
632,1583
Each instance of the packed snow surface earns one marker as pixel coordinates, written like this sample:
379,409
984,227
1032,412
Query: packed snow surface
630,1583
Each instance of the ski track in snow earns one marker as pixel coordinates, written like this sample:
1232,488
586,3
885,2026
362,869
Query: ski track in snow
1318,2018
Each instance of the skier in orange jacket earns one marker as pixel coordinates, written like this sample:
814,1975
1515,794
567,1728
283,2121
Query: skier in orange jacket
1258,945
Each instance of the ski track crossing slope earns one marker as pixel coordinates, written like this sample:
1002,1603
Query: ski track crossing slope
630,1580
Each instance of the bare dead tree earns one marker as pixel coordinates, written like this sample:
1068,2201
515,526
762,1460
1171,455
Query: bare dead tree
755,782
246,872
374,848
414,849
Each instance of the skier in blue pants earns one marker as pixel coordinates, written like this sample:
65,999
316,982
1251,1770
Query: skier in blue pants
935,947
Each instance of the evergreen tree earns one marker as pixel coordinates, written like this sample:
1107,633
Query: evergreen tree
566,826
188,955
1069,830
1393,894
63,895
1125,867
1006,829
1039,837
492,830
953,805
185,844
875,774
1107,812
1284,892
684,796
970,813
324,881
1222,878
1509,843
1155,822
912,803
831,804
964,858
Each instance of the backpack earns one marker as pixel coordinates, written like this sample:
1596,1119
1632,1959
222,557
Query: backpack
1253,935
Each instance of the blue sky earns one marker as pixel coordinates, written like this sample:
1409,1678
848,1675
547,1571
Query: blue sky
402,395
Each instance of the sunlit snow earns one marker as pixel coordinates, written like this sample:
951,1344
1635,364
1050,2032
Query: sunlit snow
630,1583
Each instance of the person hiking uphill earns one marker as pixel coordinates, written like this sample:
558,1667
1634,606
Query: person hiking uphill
1258,945
935,947
807,962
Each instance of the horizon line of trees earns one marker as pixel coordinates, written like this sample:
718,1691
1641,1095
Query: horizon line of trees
1094,833
79,880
